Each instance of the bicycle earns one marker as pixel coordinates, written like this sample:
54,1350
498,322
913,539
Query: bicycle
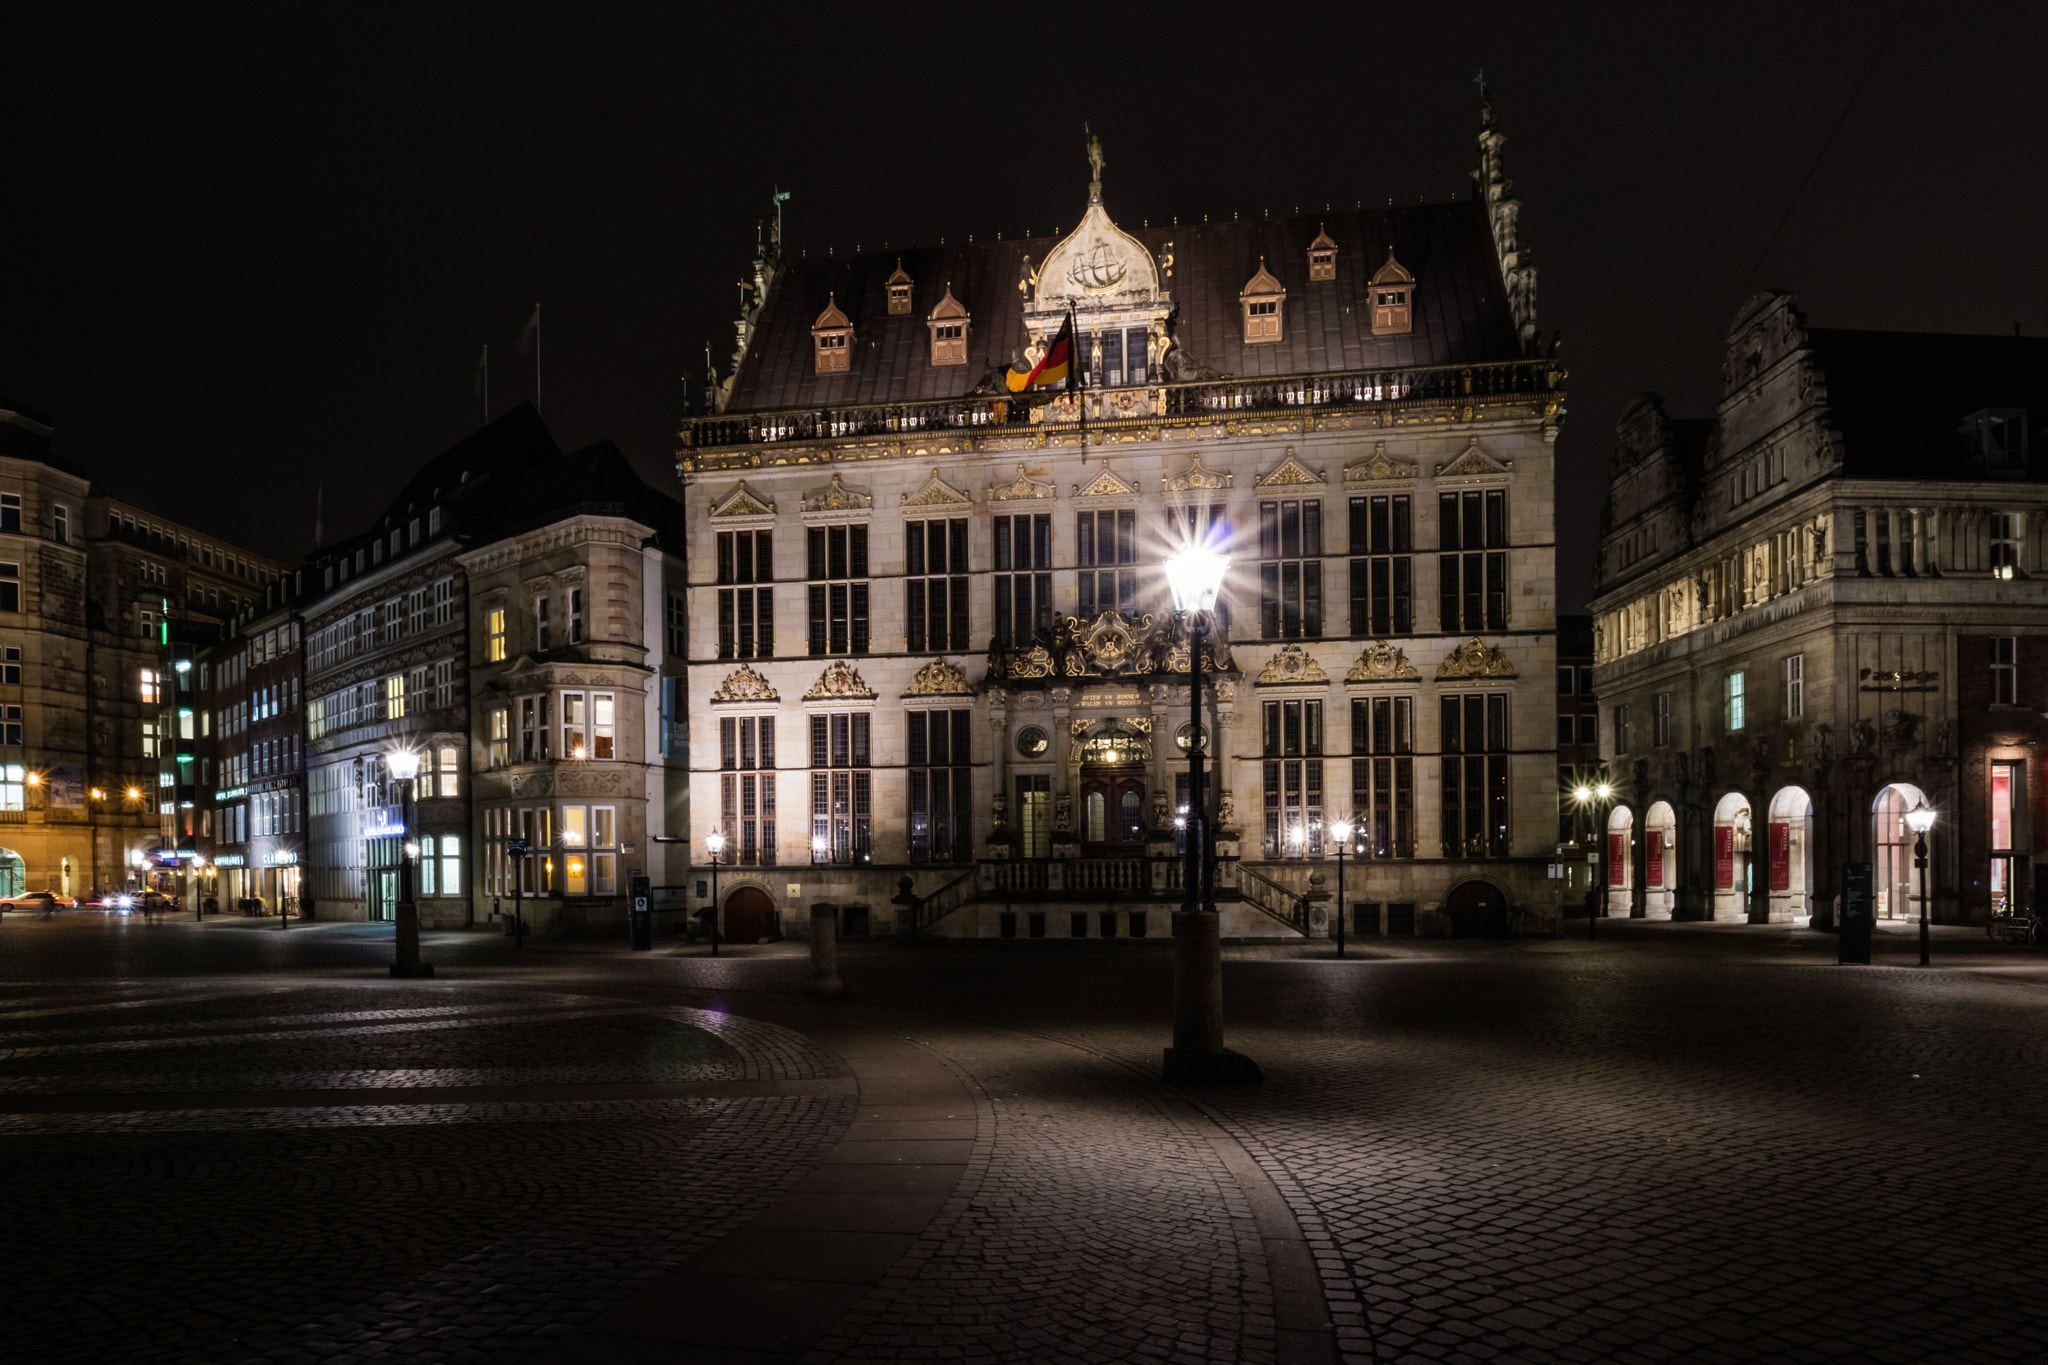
2013,928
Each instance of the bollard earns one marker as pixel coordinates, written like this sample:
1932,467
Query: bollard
824,951
408,963
1198,1056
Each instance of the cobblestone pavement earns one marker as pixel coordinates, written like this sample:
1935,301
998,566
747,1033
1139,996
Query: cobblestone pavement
1681,1142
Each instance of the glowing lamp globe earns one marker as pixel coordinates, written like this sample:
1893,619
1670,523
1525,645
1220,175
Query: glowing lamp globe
403,764
1196,577
716,843
1341,831
1920,819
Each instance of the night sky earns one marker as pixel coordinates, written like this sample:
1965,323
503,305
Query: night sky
243,253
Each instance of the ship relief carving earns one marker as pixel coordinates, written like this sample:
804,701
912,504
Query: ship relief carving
743,684
1291,665
1476,659
839,680
1382,661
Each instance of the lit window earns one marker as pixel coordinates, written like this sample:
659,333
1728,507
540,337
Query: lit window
603,710
451,865
1795,686
394,696
494,634
1735,703
604,860
1293,746
426,866
501,737
2005,544
13,789
575,737
147,679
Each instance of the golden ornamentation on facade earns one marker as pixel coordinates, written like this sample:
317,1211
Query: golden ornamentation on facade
937,493
838,680
1382,662
1035,662
742,502
1023,487
836,497
743,684
1379,467
1473,463
1292,665
939,679
1104,485
1476,659
1196,478
1290,470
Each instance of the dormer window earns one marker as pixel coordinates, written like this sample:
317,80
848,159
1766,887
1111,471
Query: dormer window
900,286
1393,299
1261,299
832,339
948,324
1322,257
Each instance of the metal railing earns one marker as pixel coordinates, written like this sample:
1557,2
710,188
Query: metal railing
1204,401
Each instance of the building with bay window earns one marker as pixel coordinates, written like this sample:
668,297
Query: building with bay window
1816,612
980,683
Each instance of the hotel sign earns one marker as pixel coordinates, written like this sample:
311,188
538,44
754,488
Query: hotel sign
1896,681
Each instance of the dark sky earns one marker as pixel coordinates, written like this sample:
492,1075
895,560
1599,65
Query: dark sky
242,250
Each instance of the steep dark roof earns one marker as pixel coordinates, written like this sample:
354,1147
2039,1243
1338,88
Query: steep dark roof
596,480
1898,397
1461,310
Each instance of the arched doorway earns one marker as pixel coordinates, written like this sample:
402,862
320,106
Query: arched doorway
749,915
1891,846
1791,854
1660,860
1621,879
13,873
1731,859
1113,793
1477,909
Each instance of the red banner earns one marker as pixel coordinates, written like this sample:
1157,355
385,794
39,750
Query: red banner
1617,860
1724,857
1781,856
1655,875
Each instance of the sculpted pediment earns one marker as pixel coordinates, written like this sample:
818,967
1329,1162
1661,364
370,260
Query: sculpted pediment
1291,665
1096,262
743,684
837,497
839,680
1473,463
1380,466
939,679
1290,470
1196,479
1382,662
1476,659
938,493
1107,484
742,502
1024,486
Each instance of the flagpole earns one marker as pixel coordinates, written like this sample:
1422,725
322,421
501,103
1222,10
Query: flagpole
1074,381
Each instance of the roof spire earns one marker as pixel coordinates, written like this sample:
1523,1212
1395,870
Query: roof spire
1492,188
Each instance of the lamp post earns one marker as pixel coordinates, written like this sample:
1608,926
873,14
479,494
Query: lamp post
1597,796
404,765
1195,575
716,843
1920,820
1340,830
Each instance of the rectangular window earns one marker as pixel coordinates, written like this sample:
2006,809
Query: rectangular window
147,679
1472,583
1383,776
1566,683
842,788
1034,815
1795,686
746,753
1107,551
444,598
1473,736
746,615
678,627
394,697
1735,703
2005,544
1293,744
448,771
603,725
60,524
2008,820
444,682
10,512
575,727
2004,674
1621,729
416,611
1660,716
575,850
1290,570
494,634
10,597
1023,605
501,737
935,586
837,566
540,624
575,616
941,789
1382,572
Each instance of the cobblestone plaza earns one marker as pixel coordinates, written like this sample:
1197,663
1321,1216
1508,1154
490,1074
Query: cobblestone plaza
1682,1142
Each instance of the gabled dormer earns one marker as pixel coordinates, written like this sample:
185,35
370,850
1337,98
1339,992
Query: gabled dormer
1393,299
948,324
1322,257
900,287
1260,299
832,339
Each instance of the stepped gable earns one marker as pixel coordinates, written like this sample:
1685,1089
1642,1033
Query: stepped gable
1461,307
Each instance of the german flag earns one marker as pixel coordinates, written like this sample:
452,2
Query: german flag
1055,367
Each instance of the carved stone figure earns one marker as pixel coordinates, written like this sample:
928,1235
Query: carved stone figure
1162,816
1862,738
1945,739
1000,817
1226,812
1063,813
1901,728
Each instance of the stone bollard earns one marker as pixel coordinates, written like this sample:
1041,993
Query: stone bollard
408,926
1198,1056
824,951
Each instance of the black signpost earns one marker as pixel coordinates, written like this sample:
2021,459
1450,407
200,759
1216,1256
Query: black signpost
1858,914
516,850
643,915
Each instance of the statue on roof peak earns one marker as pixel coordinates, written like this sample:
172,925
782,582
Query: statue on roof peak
1095,164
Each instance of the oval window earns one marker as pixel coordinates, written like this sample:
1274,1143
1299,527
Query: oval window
1032,741
1188,736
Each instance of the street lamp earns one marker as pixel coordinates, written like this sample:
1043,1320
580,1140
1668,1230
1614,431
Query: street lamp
404,765
1921,819
1340,830
716,843
1596,795
1195,576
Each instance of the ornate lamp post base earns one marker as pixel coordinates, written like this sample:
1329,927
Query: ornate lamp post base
1198,1056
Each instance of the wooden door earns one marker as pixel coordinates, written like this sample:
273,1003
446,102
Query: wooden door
1113,811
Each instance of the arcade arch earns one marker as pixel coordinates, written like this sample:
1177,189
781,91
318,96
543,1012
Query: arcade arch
1791,856
1620,864
1660,860
1731,859
1891,847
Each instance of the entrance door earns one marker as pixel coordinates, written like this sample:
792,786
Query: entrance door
1113,811
749,915
1478,910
